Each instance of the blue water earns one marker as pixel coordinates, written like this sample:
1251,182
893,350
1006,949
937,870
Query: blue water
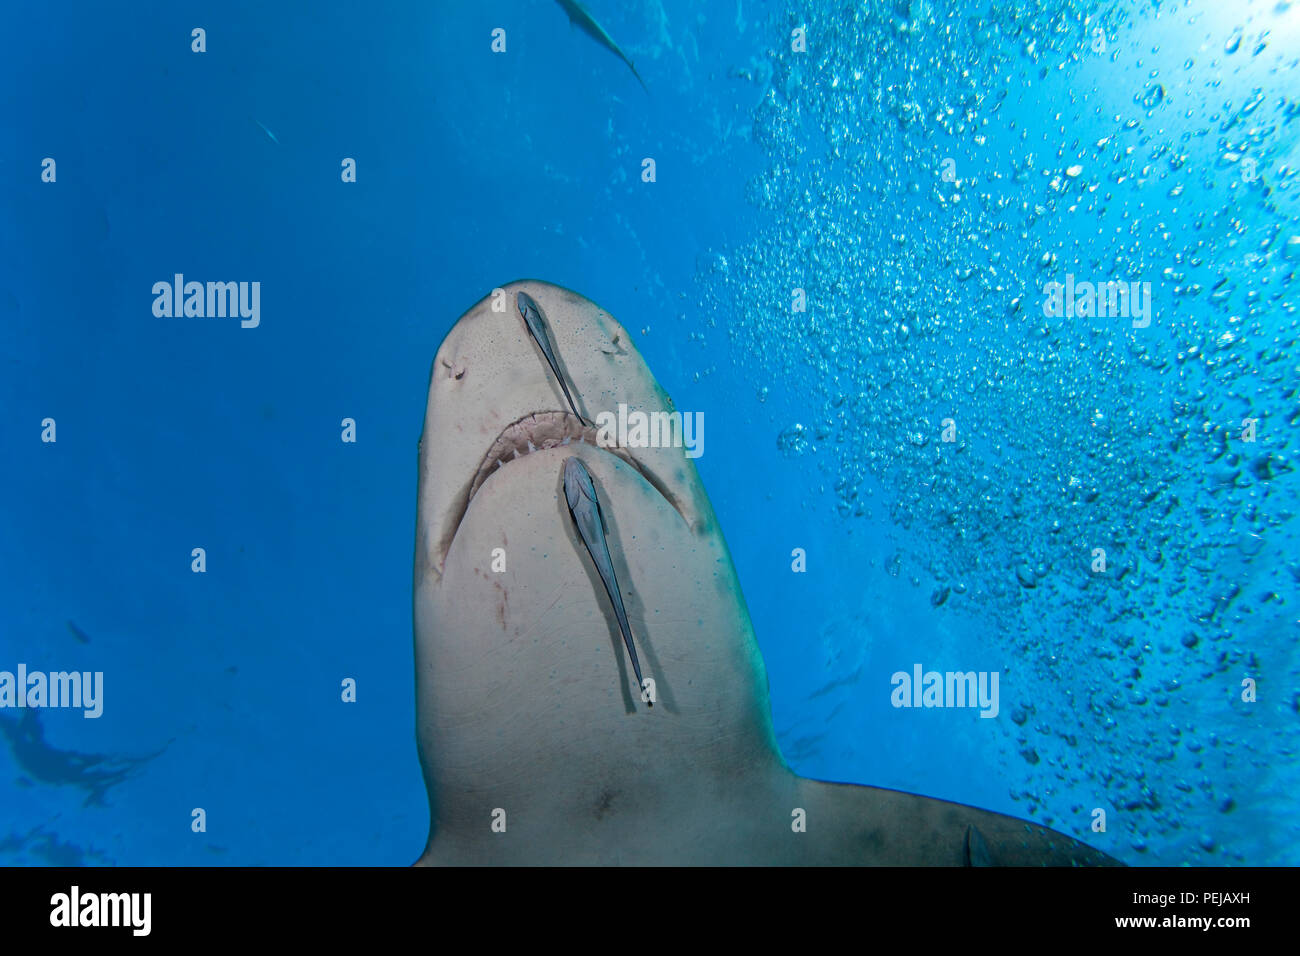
1163,151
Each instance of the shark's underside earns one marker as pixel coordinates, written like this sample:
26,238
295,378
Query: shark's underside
538,744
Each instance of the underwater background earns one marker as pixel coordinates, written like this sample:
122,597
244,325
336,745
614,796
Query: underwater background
921,171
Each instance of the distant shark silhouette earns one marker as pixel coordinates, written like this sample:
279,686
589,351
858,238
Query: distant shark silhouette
581,18
537,744
94,773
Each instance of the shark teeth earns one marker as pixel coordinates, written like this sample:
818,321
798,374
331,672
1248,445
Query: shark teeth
536,432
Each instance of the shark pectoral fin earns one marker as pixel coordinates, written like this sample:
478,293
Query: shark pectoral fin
851,824
976,850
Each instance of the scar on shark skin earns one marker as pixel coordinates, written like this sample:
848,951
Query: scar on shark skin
604,802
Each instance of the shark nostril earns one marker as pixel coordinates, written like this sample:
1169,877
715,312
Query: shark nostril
614,346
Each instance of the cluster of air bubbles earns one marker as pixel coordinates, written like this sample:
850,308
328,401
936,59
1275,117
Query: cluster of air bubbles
1087,482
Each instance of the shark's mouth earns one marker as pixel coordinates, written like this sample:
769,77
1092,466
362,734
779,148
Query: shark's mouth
535,432
538,431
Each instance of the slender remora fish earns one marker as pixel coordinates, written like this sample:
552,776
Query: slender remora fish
532,316
579,17
265,130
580,493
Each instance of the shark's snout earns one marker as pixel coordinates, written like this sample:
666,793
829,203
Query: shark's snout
498,384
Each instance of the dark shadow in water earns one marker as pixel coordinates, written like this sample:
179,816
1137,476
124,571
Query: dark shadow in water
43,847
94,773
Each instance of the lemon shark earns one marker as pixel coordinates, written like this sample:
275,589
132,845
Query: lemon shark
536,579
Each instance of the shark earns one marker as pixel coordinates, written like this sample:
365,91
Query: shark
541,552
583,20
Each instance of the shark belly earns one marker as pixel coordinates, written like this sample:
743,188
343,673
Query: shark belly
536,742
